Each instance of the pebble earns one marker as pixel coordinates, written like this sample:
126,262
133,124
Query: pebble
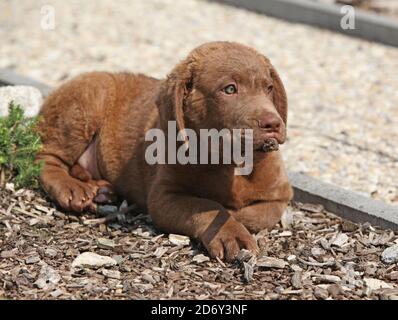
296,280
270,262
317,251
287,219
335,290
9,253
112,274
106,210
179,240
375,284
93,260
51,252
244,255
148,278
340,240
48,277
106,243
321,293
248,272
390,255
200,258
56,293
159,252
349,226
32,259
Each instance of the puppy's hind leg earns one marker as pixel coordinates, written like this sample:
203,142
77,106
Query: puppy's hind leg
70,117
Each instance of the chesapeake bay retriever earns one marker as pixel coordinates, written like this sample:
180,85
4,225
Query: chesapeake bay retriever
93,130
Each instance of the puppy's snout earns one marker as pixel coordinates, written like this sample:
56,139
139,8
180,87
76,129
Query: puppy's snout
270,123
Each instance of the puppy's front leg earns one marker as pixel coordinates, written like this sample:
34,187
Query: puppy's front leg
260,216
222,235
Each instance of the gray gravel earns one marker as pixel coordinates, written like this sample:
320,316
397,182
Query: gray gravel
29,98
343,91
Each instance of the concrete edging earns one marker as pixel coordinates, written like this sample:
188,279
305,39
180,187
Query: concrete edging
368,26
8,77
344,203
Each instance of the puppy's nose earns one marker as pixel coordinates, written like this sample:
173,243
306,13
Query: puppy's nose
269,123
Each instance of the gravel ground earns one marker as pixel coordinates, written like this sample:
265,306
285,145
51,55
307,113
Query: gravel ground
46,254
343,91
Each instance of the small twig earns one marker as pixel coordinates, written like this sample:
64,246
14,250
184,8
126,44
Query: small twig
220,262
29,214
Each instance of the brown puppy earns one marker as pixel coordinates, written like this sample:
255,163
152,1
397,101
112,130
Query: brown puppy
93,131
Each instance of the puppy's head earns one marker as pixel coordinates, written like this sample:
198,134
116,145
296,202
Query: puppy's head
226,85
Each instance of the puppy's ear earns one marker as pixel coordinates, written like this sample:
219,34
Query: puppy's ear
172,94
279,95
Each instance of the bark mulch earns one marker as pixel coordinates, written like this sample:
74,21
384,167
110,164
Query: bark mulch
314,255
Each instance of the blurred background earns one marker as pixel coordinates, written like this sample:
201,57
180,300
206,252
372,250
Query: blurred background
343,91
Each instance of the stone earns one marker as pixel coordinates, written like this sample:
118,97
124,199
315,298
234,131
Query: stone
296,280
179,240
148,278
105,210
248,272
51,252
56,293
200,258
48,277
340,240
29,98
9,253
321,293
335,290
112,274
92,260
32,259
349,226
375,284
269,262
244,255
317,251
390,255
287,219
106,243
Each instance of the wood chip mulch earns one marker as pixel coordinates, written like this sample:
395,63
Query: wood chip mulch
314,255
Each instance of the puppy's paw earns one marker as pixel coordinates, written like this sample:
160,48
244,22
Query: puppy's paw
74,195
105,193
229,240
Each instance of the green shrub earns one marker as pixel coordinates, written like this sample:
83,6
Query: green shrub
19,143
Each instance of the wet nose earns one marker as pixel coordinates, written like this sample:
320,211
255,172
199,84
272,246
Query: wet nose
269,123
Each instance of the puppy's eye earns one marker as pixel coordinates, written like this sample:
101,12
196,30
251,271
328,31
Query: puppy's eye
270,88
230,89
